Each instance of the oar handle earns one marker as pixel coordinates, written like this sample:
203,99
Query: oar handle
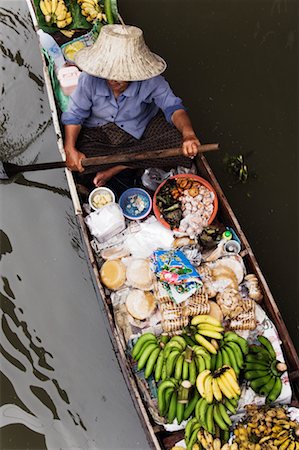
141,156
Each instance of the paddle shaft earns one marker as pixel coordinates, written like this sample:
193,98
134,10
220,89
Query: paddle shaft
13,169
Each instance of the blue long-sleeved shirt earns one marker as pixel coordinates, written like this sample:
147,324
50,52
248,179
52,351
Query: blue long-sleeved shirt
93,104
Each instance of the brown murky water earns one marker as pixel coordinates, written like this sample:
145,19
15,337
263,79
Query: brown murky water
234,64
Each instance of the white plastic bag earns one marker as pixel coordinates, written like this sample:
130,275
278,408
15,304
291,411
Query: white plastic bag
106,222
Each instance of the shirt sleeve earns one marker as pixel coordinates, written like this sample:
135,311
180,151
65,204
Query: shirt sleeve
80,103
164,98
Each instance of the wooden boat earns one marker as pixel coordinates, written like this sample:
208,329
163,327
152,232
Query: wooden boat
158,438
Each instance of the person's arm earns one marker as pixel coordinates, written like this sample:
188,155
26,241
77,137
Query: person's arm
73,156
175,113
183,123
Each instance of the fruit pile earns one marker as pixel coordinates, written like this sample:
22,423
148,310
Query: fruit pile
263,370
56,12
267,428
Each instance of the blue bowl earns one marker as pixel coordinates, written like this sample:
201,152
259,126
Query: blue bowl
135,203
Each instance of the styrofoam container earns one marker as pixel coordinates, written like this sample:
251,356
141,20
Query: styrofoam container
68,78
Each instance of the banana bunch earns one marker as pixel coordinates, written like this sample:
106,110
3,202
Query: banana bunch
56,12
263,370
267,427
205,326
90,9
148,351
196,437
219,384
172,397
233,349
209,442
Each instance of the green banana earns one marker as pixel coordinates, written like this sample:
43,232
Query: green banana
185,372
192,372
225,357
189,340
225,435
170,362
193,437
260,356
164,338
161,391
230,406
230,336
267,388
145,355
203,413
167,398
163,374
144,338
253,374
188,429
210,425
237,352
232,359
151,362
180,341
213,362
218,363
170,346
191,405
224,414
198,407
256,366
257,383
267,345
159,366
275,392
200,363
207,359
278,368
172,407
179,367
180,408
219,419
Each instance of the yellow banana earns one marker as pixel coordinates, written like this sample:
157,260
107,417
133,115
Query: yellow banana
208,389
200,380
68,15
64,23
232,382
205,318
225,387
60,8
217,444
54,6
205,343
61,16
232,372
48,6
43,8
216,390
285,444
292,446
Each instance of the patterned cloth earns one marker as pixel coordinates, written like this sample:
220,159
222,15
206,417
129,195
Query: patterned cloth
110,139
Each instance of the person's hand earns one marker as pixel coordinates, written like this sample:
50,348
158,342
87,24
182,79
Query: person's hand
73,159
190,146
103,177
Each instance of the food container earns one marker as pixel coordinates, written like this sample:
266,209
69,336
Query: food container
68,79
100,197
135,203
190,176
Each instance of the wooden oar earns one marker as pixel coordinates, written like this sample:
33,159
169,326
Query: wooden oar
13,169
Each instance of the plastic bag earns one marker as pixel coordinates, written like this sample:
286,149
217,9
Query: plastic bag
106,222
153,177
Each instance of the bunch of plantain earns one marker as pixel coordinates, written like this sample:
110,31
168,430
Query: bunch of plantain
56,12
263,370
91,10
267,428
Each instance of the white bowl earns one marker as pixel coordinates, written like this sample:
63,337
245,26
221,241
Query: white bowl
103,192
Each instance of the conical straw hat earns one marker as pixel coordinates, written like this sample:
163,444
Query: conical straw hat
121,54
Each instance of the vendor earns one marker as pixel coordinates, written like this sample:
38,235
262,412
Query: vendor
123,104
